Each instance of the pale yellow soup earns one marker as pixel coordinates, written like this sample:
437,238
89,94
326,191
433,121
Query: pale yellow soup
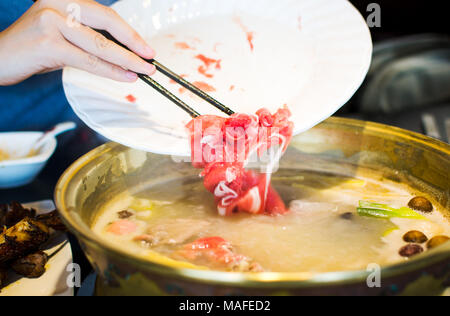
313,237
3,155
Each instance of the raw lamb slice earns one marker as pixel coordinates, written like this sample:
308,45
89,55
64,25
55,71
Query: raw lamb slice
222,146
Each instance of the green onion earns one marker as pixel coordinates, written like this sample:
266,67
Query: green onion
390,231
384,211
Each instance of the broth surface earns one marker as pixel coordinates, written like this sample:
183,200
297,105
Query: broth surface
322,233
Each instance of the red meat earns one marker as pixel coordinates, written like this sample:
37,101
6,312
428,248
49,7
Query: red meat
219,253
221,146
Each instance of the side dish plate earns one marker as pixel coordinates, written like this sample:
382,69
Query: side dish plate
54,280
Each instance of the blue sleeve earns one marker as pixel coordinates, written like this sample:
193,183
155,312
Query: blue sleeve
39,102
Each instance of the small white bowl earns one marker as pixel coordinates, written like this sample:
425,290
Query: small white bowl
20,170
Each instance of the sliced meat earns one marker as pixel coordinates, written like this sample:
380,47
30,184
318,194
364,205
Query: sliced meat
238,190
217,253
221,146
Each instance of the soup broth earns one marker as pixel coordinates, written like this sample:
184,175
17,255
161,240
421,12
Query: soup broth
3,155
323,231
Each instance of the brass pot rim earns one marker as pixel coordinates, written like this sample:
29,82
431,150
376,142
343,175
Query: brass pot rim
266,279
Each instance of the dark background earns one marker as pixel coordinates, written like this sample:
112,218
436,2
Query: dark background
401,17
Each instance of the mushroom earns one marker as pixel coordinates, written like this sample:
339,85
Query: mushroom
410,250
437,241
415,237
421,204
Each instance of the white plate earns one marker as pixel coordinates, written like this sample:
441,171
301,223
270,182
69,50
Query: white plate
309,54
53,282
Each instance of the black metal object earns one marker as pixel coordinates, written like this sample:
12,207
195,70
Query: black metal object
169,95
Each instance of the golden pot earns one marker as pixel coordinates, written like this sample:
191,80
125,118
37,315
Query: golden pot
343,146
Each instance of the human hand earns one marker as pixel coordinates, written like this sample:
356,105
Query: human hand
45,39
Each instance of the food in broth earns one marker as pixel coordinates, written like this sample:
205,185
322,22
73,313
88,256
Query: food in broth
334,223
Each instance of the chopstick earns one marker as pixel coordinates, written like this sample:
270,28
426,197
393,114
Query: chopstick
178,79
169,95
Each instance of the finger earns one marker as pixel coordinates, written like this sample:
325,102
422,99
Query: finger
77,58
96,44
101,17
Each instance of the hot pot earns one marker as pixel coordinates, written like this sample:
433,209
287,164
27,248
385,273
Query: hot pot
338,145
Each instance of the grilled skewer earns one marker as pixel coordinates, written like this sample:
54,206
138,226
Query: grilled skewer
22,234
52,220
24,237
11,214
31,266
